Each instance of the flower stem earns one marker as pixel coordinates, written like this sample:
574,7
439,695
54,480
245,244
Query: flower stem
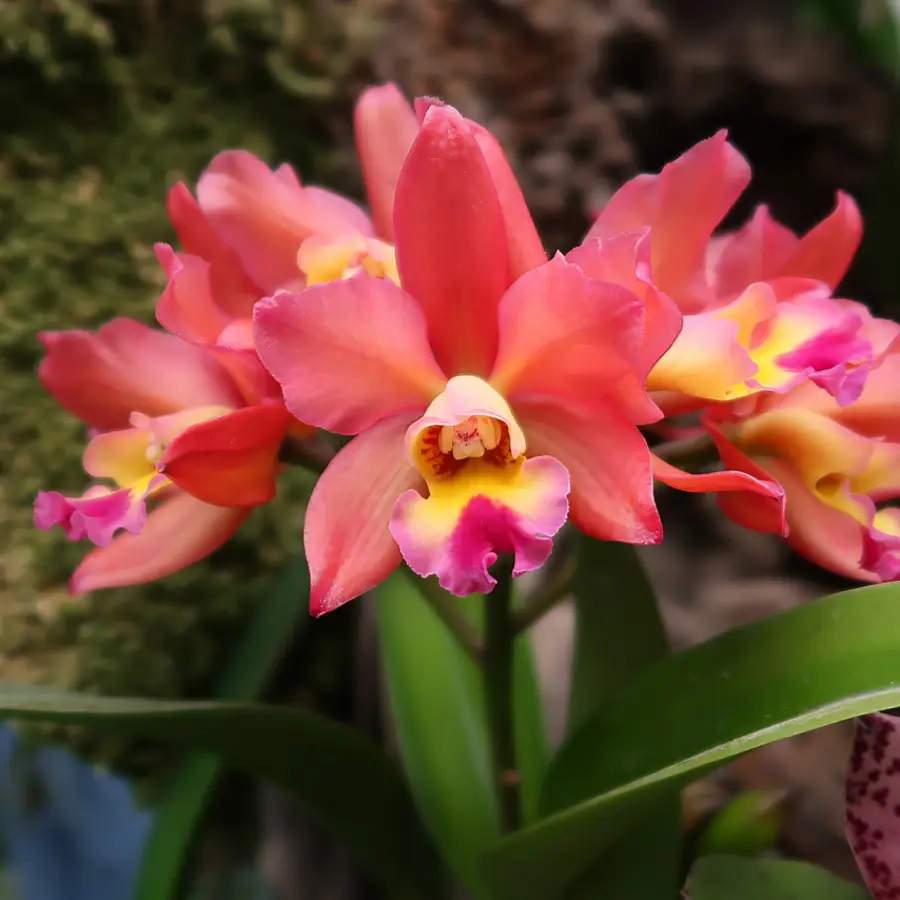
450,613
499,638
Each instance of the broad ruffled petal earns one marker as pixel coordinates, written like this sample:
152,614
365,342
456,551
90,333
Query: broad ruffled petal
573,340
102,378
625,260
609,466
706,361
458,531
264,218
96,516
451,241
347,353
187,307
385,126
346,533
179,532
230,460
682,205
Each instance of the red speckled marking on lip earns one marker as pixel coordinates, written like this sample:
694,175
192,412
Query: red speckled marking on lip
873,804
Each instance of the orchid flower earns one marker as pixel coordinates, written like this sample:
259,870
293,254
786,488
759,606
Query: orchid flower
493,393
252,231
837,465
759,311
173,423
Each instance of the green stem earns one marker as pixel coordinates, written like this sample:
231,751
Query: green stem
447,608
499,640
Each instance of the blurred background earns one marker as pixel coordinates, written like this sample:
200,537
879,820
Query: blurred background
104,105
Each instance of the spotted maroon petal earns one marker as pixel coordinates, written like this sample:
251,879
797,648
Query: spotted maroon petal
873,804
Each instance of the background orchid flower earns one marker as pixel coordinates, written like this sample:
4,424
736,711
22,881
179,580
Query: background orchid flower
170,423
251,231
687,201
837,465
484,391
758,304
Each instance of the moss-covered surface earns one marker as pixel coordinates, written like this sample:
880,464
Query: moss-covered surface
104,105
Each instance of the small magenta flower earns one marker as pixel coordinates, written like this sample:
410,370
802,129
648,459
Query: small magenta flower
194,431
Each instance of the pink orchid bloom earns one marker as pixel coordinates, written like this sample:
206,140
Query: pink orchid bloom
873,803
760,316
174,423
252,231
484,392
686,202
837,465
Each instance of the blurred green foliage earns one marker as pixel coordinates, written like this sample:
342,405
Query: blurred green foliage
103,105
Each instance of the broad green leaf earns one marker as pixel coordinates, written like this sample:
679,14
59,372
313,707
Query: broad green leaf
803,669
736,878
614,642
438,711
336,774
189,790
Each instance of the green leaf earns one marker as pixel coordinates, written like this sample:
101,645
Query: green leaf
736,878
190,788
337,775
803,669
614,642
438,710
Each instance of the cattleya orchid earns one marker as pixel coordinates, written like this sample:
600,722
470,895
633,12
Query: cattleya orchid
493,392
779,368
252,231
837,464
193,431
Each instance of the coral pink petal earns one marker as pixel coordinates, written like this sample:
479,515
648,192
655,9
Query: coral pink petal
126,366
230,460
348,353
625,260
179,532
264,218
524,245
187,307
872,798
752,253
459,531
573,340
825,252
346,533
609,467
385,126
683,205
231,285
451,241
769,496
